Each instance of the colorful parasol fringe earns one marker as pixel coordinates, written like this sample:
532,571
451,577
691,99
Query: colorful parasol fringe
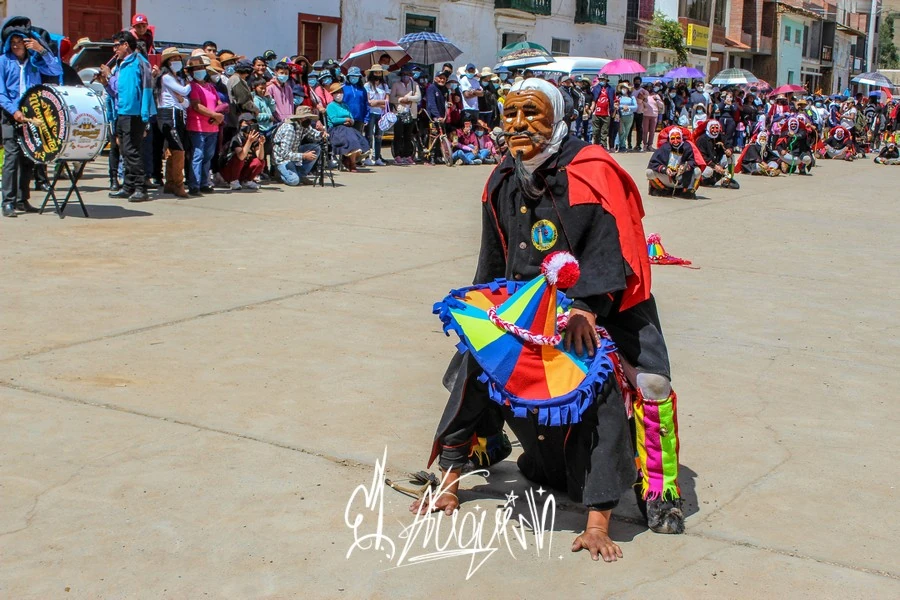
659,256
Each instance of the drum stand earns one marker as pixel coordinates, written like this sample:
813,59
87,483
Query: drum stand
73,175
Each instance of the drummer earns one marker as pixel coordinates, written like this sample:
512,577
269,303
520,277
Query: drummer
22,63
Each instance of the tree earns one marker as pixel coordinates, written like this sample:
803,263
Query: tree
667,33
888,57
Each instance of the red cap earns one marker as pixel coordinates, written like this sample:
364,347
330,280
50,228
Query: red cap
139,18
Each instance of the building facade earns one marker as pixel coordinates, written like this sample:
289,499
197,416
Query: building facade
481,27
288,27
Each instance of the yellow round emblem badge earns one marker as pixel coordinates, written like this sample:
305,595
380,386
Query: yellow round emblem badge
544,235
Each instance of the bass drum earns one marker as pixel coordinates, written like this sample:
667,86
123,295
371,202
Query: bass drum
63,123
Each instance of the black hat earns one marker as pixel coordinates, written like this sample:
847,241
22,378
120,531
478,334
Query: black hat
243,65
330,64
269,55
247,117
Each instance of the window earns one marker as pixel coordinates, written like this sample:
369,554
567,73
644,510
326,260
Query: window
419,23
787,33
797,34
805,40
559,47
790,77
512,38
698,10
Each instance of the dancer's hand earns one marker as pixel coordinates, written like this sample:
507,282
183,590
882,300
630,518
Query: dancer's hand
596,541
582,332
447,503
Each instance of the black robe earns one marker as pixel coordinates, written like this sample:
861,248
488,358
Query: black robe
754,155
660,161
593,459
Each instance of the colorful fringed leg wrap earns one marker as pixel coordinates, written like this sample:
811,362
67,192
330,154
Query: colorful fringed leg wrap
656,425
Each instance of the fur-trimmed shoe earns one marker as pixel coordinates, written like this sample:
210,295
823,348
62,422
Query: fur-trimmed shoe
665,516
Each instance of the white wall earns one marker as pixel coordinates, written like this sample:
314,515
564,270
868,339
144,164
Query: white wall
47,15
245,27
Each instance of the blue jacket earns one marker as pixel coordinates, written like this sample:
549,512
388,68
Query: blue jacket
435,102
135,88
357,99
35,65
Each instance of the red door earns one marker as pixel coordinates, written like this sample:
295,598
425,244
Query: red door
96,19
311,40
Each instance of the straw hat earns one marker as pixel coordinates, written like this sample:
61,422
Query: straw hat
170,53
302,113
377,69
486,72
335,88
215,65
201,60
227,55
624,85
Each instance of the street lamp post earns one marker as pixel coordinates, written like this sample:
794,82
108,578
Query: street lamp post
870,41
709,41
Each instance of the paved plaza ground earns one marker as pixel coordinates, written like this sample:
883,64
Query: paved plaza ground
191,391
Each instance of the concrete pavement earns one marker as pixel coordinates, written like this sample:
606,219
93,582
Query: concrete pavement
191,391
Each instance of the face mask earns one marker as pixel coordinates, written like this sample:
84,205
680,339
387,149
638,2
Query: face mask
671,94
655,90
470,75
454,86
701,112
338,97
327,81
175,66
479,133
272,63
313,82
447,74
416,74
354,79
229,70
282,78
199,75
818,105
504,76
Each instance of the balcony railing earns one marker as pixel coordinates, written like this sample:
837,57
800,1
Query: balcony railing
590,11
535,7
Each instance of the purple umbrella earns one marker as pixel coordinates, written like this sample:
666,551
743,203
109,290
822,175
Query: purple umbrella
686,73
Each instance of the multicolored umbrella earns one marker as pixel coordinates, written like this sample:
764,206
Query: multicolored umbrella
686,73
622,66
734,77
873,78
366,54
512,329
524,54
429,48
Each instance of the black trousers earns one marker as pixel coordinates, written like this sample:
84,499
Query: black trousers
403,145
130,130
637,130
17,167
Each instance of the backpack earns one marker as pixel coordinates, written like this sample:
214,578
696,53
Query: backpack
860,124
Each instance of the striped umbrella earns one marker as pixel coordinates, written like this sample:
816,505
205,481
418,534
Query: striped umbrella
366,54
429,48
873,78
734,77
524,54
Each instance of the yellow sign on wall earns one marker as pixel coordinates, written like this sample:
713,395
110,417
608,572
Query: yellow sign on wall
697,36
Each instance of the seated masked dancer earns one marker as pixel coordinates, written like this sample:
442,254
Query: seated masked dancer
794,149
757,158
552,204
889,154
719,158
838,145
673,167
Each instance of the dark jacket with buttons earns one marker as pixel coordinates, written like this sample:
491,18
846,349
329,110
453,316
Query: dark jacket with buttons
517,234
